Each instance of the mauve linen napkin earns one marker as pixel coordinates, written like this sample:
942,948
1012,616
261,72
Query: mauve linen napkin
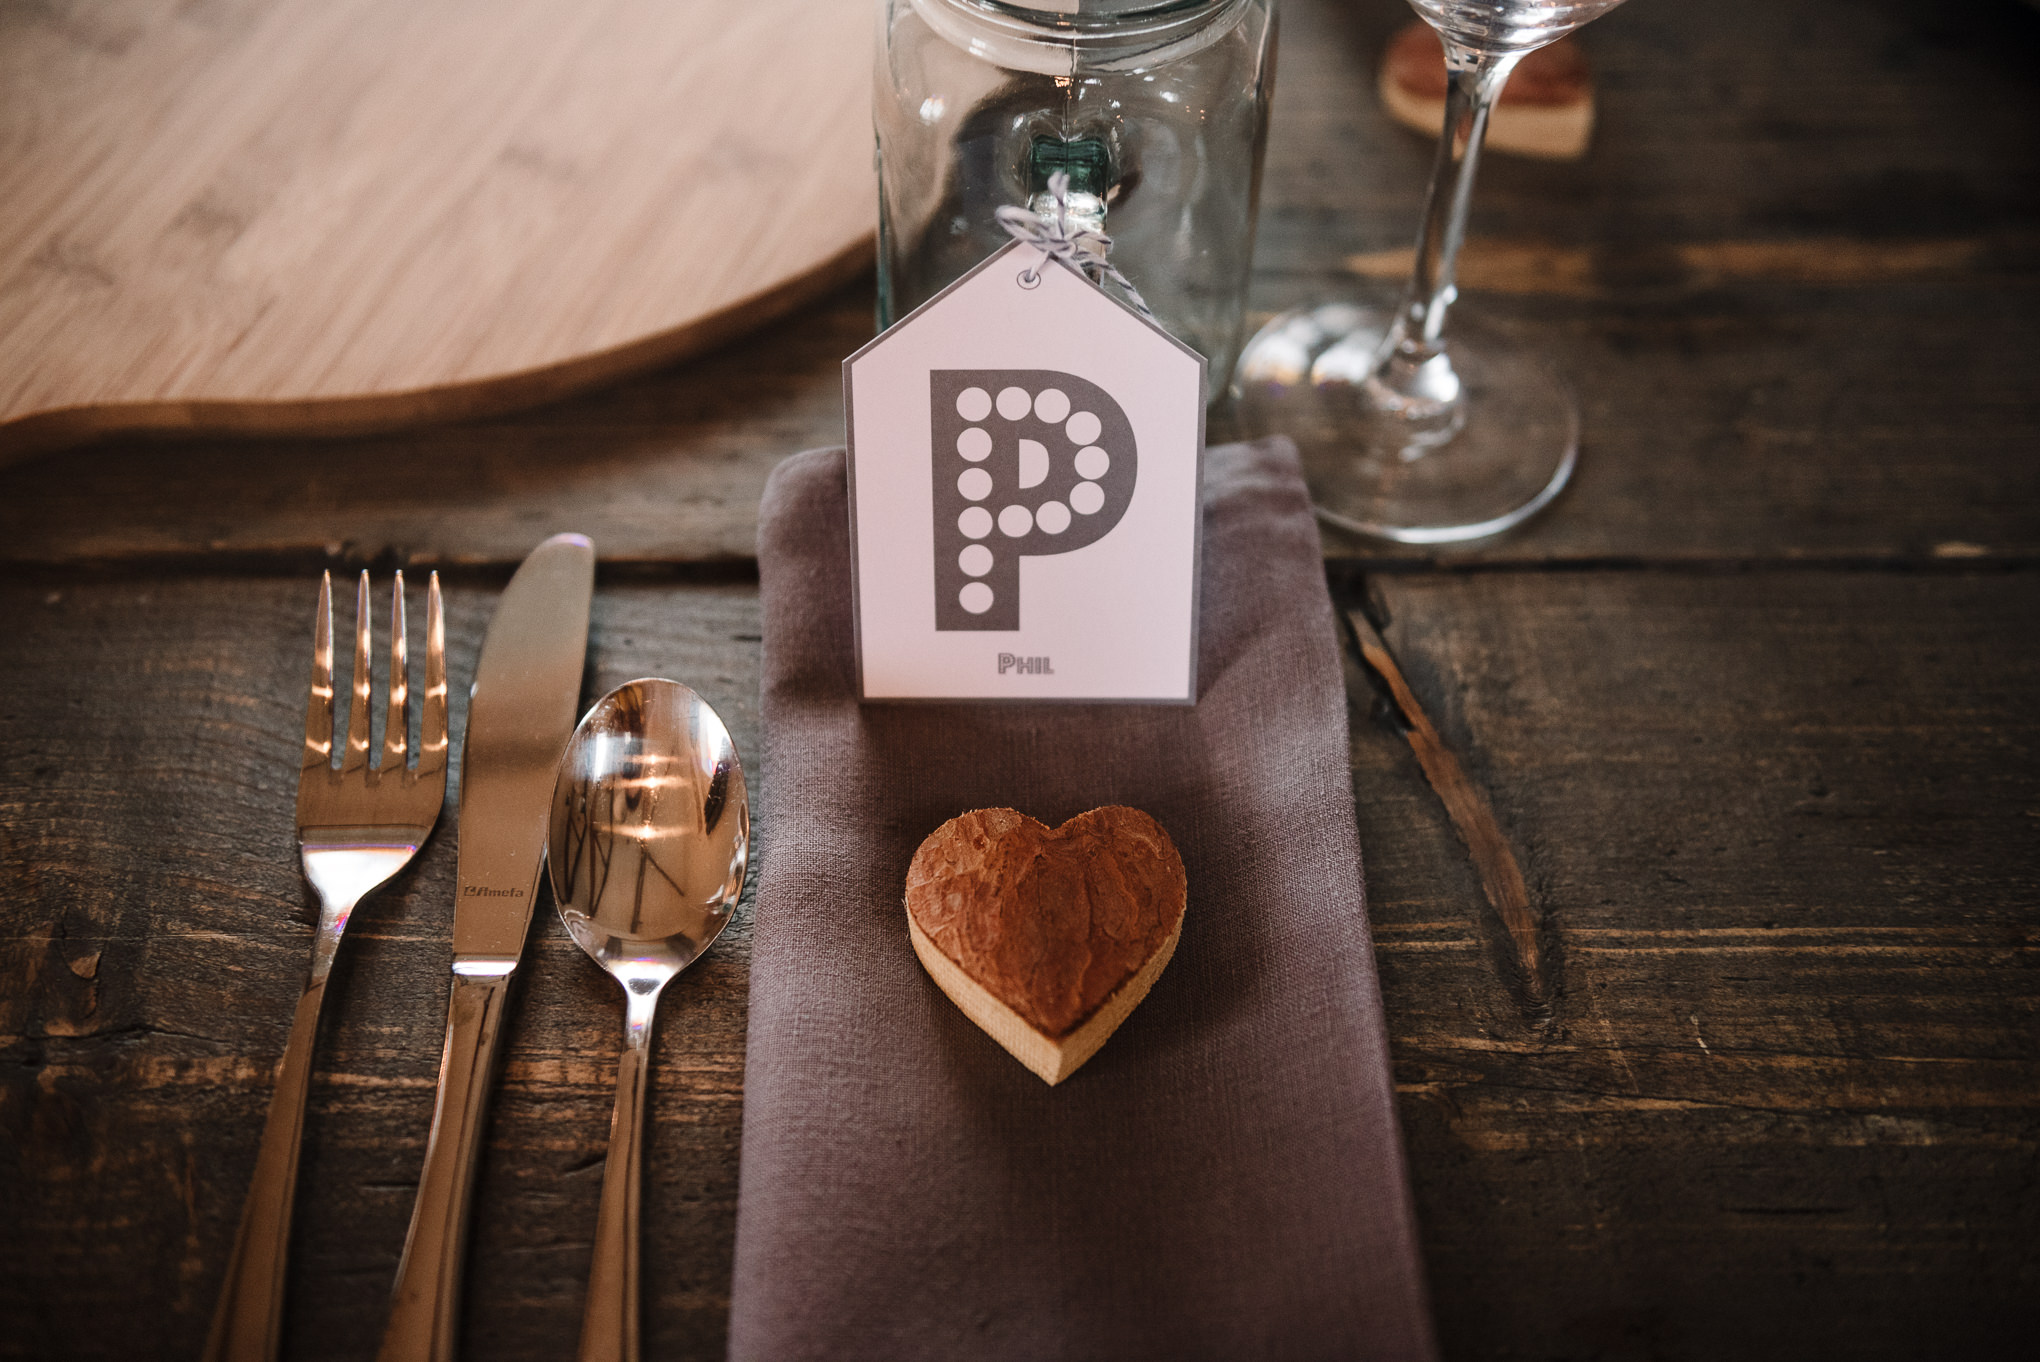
1225,1178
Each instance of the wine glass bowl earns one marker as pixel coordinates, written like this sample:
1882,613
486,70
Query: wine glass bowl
1509,25
1407,435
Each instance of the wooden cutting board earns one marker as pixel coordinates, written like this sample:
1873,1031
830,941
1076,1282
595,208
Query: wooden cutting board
325,215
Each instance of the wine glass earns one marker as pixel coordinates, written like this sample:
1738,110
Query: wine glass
1406,435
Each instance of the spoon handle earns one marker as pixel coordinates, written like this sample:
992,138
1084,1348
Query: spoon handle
609,1320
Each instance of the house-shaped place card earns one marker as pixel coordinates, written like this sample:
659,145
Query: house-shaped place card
1025,459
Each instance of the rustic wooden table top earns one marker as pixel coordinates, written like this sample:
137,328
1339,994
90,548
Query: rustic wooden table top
1754,702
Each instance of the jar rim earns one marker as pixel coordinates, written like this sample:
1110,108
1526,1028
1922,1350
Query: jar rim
1084,12
1018,35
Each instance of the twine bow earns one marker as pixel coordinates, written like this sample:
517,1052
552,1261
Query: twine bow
1085,247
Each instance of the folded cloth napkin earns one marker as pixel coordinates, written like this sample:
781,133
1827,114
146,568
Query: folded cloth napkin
1225,1178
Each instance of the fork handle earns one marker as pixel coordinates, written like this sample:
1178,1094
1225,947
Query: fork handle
425,1312
248,1322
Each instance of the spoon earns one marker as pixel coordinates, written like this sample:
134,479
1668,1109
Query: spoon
650,834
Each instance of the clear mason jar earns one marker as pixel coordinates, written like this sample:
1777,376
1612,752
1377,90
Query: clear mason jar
1157,109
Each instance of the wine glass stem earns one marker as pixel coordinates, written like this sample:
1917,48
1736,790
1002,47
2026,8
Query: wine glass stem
1412,374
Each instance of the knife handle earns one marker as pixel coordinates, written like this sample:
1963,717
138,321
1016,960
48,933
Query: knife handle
425,1311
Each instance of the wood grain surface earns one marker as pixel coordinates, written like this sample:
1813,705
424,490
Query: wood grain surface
335,214
1753,707
1783,828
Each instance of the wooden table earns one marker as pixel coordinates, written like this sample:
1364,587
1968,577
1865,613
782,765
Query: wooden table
1755,704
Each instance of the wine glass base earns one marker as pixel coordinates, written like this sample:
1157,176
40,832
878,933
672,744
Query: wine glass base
1302,376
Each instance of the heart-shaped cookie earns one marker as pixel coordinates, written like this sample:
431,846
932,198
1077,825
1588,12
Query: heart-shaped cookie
1045,938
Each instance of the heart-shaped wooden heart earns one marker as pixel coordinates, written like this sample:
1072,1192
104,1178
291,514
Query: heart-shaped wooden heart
1046,939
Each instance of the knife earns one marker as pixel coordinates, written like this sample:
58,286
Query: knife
526,693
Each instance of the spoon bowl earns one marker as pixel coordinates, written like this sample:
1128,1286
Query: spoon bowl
649,838
650,829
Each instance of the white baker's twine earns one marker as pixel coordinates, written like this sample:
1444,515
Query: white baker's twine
1084,248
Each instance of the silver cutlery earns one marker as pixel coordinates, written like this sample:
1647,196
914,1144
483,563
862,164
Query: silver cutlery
520,714
357,826
651,831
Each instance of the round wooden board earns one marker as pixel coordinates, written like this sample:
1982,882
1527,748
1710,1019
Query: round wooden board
324,215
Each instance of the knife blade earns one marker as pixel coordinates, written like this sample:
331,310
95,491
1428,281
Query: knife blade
525,698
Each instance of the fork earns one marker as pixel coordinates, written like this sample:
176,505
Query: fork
356,827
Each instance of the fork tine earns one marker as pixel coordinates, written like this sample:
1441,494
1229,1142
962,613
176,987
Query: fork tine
432,728
396,728
357,711
319,707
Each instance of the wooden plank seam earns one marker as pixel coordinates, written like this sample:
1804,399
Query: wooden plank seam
1501,879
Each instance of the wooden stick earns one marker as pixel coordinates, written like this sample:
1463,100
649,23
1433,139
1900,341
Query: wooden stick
1468,808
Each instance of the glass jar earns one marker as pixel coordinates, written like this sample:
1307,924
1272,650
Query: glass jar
1157,109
